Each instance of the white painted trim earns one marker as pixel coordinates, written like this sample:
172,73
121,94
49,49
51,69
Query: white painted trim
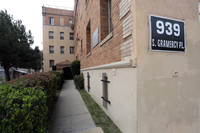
88,55
106,39
120,64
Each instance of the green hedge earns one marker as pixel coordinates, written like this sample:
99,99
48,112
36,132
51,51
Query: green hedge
59,79
22,110
79,81
25,103
49,82
75,67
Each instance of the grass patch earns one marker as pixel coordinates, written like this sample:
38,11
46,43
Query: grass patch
99,117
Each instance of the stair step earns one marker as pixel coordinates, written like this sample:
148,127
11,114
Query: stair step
93,130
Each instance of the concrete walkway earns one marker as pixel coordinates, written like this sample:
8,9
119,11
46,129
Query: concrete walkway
70,114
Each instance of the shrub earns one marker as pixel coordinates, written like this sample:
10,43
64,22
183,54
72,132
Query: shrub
59,79
22,109
26,102
48,82
75,67
54,68
79,81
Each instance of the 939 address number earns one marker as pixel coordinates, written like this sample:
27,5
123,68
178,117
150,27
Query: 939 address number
168,28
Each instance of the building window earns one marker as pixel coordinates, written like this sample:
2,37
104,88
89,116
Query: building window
88,81
71,50
62,21
51,63
51,35
106,18
86,3
71,36
51,49
110,15
62,50
61,35
51,21
105,90
88,39
81,46
199,10
70,21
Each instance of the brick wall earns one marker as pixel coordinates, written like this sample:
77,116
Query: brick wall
108,50
58,15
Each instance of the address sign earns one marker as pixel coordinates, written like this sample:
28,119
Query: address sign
167,34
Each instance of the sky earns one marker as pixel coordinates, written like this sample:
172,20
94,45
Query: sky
30,12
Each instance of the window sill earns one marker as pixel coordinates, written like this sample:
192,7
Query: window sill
88,55
109,36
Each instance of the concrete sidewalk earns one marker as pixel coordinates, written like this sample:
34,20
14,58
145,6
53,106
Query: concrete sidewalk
70,114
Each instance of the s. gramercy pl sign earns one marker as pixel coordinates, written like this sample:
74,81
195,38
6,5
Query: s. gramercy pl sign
167,34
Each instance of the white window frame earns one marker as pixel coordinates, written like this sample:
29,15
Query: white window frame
71,50
62,36
51,35
110,15
51,21
199,10
51,49
51,63
70,21
62,50
71,36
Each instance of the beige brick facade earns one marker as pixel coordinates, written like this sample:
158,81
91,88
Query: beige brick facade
61,19
149,91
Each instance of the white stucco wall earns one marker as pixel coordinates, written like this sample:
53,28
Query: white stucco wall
121,93
168,104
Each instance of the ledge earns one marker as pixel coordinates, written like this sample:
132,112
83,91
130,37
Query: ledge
106,39
58,25
120,64
88,55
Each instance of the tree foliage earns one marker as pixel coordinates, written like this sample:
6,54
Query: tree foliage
75,67
15,42
36,59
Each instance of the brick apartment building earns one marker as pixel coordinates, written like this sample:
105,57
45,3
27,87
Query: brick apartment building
58,38
140,62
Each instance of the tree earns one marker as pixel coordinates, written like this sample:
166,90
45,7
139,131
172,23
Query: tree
75,67
14,43
36,59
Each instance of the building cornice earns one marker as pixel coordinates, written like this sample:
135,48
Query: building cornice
120,64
